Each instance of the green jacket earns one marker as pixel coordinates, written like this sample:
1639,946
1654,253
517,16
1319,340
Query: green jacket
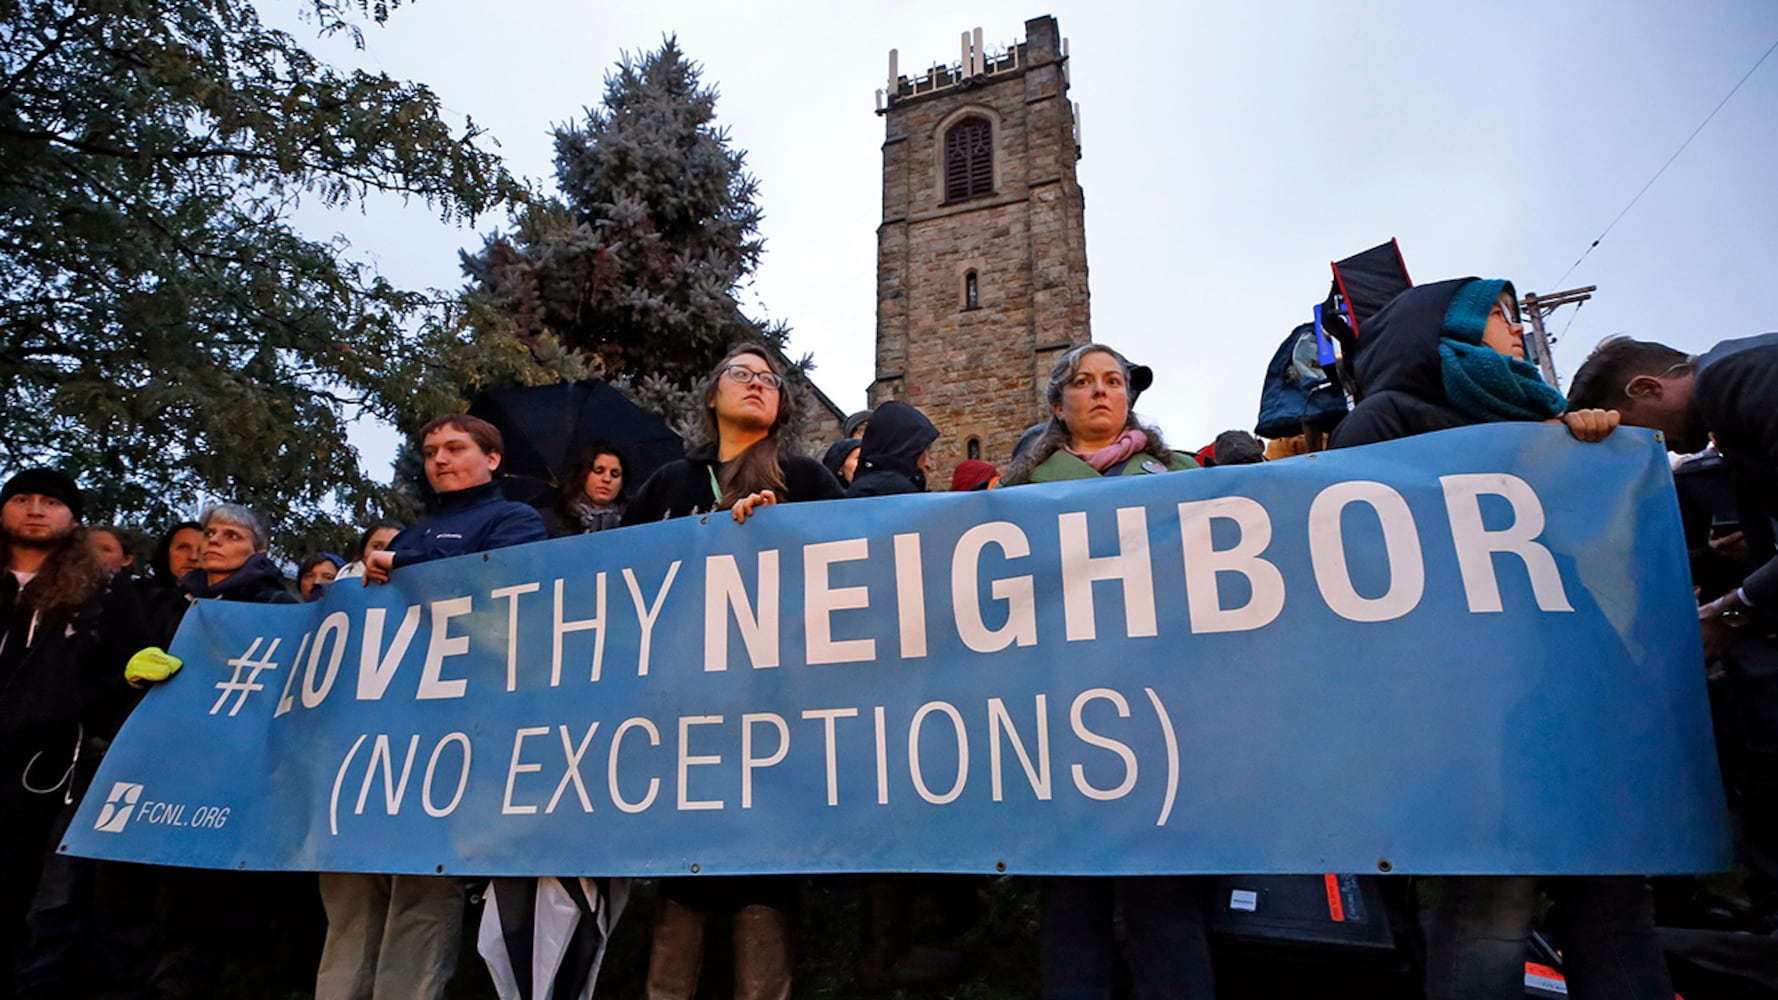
1062,466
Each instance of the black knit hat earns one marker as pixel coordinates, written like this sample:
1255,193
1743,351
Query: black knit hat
1141,377
49,483
850,427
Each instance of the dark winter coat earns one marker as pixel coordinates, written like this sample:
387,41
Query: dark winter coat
583,520
478,519
688,486
1706,488
164,605
1737,397
889,457
62,694
1297,392
63,672
1399,377
257,581
835,458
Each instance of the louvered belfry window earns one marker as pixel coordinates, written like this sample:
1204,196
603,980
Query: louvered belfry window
969,159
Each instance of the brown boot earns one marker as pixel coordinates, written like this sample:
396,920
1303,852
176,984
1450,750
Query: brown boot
762,953
677,954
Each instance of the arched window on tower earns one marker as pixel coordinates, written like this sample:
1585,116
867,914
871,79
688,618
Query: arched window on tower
974,448
969,159
972,298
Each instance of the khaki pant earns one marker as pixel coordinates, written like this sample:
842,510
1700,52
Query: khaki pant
389,936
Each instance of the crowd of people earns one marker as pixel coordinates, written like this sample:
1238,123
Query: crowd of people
85,621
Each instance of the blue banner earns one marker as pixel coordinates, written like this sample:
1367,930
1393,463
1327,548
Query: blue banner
1474,651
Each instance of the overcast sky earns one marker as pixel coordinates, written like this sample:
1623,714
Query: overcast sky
1230,151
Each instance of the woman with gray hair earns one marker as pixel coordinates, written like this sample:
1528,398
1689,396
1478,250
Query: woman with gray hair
1092,431
232,560
1092,434
195,909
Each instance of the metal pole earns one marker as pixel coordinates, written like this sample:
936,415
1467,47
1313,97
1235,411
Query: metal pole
1540,340
1535,308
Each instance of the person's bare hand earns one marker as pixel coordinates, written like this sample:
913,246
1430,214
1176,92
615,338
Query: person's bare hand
1718,637
1591,425
378,567
747,504
1730,546
1719,634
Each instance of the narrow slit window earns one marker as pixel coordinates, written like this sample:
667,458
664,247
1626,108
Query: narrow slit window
974,448
972,298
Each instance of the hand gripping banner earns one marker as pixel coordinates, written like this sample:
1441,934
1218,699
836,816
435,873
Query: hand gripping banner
1473,651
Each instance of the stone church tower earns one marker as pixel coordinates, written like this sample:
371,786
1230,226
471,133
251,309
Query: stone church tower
981,255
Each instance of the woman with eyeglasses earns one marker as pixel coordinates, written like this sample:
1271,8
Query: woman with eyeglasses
745,463
1452,354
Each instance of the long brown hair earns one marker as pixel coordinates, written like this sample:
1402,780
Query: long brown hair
70,577
573,486
761,466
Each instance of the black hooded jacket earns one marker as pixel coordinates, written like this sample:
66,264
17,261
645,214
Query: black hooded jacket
688,486
889,458
63,669
835,458
257,581
1401,386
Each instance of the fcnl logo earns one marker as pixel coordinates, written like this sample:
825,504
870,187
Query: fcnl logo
118,806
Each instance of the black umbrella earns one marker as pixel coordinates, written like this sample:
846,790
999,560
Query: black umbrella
546,426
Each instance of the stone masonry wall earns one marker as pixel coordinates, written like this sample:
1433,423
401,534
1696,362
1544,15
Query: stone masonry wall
980,372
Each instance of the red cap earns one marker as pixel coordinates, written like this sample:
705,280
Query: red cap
970,473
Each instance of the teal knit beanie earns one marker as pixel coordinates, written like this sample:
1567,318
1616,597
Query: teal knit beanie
1467,315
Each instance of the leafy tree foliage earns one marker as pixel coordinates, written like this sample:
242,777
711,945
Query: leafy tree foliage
164,331
636,261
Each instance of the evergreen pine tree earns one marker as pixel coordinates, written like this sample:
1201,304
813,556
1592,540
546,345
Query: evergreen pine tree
636,262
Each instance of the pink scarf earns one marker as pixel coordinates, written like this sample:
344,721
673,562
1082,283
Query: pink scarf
1128,443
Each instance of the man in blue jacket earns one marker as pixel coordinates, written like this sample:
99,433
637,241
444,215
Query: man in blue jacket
470,514
391,936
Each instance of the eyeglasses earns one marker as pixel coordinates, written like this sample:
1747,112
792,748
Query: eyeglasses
743,375
1509,311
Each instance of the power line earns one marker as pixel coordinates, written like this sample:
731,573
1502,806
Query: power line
1669,163
1571,317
